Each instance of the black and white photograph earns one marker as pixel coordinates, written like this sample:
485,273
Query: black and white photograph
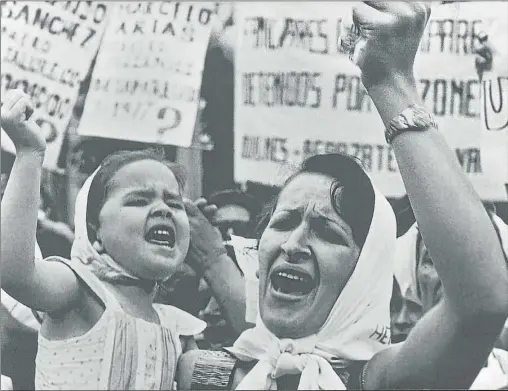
254,195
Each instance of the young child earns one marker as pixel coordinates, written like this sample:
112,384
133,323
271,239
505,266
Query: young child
101,329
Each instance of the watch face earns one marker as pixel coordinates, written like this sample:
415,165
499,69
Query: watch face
414,118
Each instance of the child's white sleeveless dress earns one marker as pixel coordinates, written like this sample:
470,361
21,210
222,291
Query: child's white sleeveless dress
120,352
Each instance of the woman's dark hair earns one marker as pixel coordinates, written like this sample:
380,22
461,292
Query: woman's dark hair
100,186
351,192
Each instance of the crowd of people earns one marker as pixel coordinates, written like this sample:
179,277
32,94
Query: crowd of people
151,292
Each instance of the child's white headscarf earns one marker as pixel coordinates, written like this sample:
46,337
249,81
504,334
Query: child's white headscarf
357,327
103,266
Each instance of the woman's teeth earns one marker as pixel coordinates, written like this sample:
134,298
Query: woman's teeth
292,283
290,276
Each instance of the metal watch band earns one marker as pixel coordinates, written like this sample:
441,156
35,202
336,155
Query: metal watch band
414,118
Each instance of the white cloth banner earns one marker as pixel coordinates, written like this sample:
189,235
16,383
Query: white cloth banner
296,95
494,92
47,49
146,83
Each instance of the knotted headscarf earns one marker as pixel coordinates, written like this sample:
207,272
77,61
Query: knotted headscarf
102,265
357,327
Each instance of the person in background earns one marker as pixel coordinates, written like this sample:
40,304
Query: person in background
483,54
421,290
235,214
404,314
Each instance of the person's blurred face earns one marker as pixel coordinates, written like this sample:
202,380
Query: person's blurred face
306,256
143,224
404,315
429,284
233,220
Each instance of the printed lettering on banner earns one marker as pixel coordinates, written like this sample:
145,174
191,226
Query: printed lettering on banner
146,83
451,87
297,94
47,49
494,87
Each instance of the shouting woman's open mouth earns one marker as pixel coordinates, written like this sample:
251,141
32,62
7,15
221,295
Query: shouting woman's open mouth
291,283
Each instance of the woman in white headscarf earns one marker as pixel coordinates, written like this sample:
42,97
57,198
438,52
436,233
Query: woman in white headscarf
325,274
421,286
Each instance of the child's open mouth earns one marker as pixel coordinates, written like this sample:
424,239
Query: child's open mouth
161,235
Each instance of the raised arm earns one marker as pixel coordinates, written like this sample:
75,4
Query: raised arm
208,255
40,285
449,346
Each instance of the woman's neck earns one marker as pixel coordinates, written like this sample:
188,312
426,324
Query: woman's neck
135,300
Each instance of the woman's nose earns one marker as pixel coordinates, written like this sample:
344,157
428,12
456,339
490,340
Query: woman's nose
402,318
296,244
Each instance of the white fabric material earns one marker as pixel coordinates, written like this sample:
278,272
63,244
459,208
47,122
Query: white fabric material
19,311
83,251
405,265
247,256
6,383
503,232
495,375
361,309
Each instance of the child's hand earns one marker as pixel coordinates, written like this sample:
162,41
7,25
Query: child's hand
17,122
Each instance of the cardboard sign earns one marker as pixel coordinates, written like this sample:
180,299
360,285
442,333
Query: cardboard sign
146,83
47,48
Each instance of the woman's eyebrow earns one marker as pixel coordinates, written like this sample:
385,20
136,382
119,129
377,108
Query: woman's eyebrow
340,222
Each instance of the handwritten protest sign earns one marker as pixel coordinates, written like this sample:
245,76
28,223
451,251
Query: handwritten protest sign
296,95
494,105
457,98
146,83
47,48
494,87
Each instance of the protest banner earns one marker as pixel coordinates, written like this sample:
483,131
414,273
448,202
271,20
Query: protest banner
297,94
494,83
47,48
146,82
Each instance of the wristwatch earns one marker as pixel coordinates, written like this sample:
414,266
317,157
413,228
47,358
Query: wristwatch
414,118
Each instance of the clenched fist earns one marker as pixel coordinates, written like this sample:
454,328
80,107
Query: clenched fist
390,33
19,125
